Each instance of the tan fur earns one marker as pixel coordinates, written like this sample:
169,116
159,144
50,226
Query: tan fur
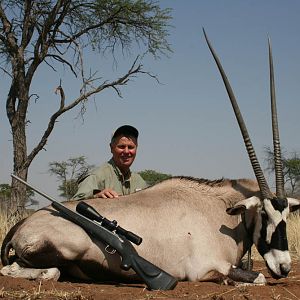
182,221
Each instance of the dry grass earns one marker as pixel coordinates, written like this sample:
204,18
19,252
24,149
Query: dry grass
42,294
293,232
5,224
7,221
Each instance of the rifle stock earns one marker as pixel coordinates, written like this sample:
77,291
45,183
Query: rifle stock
154,277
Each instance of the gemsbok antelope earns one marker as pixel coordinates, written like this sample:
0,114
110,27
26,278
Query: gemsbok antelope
194,229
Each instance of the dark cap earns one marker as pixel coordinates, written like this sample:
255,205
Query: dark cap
126,130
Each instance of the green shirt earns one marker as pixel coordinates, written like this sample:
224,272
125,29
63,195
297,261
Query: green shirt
109,176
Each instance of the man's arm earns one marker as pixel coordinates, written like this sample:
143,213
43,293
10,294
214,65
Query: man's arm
86,188
138,183
90,187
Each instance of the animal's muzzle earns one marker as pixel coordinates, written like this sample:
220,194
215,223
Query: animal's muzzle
284,271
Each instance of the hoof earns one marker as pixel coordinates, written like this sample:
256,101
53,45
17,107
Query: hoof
17,271
260,279
239,275
49,274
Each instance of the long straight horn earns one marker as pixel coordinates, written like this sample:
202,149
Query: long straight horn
266,193
276,141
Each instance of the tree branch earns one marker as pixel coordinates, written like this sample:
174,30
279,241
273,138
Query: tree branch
134,69
63,61
89,28
60,90
28,25
42,44
10,41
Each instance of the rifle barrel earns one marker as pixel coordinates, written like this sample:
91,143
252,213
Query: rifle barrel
34,188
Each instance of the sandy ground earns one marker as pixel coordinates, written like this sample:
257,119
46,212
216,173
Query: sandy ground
289,288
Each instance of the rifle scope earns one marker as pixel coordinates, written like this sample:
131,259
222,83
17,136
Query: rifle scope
90,213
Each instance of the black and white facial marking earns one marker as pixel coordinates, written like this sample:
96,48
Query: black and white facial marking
270,236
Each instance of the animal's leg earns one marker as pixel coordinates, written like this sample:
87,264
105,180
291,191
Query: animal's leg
15,270
246,263
240,275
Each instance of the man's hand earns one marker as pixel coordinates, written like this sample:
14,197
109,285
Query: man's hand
106,193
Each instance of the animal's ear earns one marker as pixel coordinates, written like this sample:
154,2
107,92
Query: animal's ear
294,204
236,210
243,205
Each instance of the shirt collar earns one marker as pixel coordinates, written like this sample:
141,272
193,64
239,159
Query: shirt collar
118,172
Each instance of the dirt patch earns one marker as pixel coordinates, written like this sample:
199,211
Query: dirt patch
289,288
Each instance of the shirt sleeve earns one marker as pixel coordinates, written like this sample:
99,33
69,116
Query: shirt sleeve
88,187
139,183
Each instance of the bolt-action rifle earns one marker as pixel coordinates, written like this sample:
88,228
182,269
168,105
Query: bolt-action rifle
90,220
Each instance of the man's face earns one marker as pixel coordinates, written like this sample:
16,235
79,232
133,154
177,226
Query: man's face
123,150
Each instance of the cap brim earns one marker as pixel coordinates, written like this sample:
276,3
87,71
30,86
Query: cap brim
126,130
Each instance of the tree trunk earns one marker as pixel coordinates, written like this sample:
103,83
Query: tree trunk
17,104
18,195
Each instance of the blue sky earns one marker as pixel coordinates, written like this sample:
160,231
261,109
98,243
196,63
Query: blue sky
186,123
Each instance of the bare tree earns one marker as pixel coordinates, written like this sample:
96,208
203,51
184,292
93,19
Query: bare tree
58,32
